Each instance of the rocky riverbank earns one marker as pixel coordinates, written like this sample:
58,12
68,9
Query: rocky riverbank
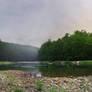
12,79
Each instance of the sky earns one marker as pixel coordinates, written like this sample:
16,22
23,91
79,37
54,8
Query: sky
32,22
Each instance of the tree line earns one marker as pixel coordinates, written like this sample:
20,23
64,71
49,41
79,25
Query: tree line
76,46
16,52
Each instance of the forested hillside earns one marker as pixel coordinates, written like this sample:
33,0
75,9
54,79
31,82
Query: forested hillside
77,46
16,52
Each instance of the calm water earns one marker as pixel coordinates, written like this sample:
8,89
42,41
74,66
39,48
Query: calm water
49,70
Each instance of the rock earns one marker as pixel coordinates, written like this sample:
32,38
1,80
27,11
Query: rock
28,82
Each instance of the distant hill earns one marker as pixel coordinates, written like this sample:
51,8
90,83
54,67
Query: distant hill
16,52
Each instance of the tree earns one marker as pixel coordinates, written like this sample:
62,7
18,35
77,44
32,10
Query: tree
77,46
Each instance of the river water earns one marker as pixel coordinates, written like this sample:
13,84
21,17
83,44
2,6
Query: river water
48,70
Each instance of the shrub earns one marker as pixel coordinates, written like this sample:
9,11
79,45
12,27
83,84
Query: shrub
39,85
18,90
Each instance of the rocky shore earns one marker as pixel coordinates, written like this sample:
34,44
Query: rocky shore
12,79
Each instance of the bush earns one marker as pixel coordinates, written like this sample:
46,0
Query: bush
18,90
39,85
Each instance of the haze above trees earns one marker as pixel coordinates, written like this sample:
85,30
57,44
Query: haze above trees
16,52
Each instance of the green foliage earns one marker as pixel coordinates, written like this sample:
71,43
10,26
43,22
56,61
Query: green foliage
62,90
53,89
85,89
11,80
39,85
77,46
43,88
18,90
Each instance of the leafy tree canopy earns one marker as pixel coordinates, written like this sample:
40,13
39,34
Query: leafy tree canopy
77,46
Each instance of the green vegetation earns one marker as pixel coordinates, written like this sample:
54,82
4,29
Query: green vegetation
16,52
85,89
11,80
77,46
86,63
5,62
18,90
53,89
66,68
40,85
43,88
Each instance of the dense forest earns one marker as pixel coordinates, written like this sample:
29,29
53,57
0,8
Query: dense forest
77,46
16,52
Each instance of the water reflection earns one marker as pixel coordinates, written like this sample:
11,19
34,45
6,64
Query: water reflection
49,70
62,71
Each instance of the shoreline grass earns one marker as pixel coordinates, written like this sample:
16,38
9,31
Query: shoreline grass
5,62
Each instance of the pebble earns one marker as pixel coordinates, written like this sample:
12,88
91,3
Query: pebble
27,82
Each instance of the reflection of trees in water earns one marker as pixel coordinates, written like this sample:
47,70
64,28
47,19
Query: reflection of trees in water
52,70
7,66
62,71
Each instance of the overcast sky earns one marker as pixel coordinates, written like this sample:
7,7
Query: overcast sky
32,22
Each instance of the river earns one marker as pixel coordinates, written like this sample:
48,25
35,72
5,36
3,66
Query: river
48,70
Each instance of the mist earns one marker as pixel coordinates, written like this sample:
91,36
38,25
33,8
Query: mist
32,22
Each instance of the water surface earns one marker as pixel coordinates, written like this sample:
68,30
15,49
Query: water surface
49,70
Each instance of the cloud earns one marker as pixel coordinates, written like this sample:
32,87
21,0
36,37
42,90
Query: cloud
32,22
